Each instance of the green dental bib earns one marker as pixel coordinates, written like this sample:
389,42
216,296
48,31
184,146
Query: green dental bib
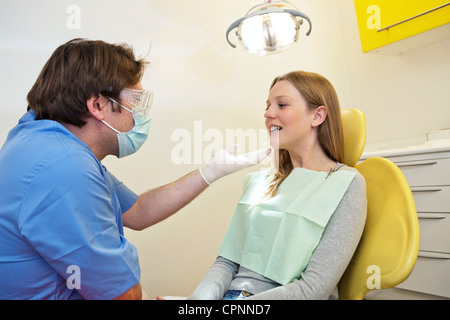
276,237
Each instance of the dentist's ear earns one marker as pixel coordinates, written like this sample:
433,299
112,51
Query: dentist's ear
320,114
95,106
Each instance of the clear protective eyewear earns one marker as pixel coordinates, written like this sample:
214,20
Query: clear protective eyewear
139,100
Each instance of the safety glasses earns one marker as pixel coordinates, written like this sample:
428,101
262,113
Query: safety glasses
140,101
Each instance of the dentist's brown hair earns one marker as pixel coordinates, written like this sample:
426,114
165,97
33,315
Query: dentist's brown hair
78,70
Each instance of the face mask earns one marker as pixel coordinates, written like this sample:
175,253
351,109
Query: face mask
131,141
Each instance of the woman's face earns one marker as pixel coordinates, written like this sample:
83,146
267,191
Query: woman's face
288,119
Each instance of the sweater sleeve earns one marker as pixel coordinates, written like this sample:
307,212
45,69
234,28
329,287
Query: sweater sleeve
216,281
334,252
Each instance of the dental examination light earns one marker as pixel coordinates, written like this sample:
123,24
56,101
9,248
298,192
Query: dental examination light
269,28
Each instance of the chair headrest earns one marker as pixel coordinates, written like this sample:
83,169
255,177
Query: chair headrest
354,128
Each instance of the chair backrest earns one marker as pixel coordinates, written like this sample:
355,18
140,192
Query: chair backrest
389,245
354,128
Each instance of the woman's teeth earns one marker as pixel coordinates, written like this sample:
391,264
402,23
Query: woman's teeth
272,129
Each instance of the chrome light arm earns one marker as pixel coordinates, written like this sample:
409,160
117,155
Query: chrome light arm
267,9
234,25
296,13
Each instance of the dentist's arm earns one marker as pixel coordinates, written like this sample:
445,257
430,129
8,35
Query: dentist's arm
158,204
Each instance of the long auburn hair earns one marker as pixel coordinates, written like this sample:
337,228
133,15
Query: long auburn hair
317,91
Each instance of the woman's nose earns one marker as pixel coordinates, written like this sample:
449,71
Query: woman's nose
269,113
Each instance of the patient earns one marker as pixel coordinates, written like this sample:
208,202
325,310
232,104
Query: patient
297,225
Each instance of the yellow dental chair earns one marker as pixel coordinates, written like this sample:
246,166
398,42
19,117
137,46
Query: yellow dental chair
389,245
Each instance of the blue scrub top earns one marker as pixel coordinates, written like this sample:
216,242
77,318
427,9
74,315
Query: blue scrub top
61,218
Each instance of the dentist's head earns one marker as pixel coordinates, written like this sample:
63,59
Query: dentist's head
86,86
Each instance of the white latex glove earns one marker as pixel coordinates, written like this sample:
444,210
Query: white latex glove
225,162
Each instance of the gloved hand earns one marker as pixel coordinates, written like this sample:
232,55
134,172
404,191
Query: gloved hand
225,162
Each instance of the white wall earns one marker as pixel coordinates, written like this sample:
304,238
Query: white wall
403,96
196,76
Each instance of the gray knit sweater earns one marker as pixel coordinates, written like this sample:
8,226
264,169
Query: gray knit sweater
327,265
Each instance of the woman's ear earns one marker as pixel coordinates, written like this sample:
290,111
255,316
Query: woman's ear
320,114
95,106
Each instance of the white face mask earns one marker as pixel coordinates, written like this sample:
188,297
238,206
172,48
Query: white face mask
131,141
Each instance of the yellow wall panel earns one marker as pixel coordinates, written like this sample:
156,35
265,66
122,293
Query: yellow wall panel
382,22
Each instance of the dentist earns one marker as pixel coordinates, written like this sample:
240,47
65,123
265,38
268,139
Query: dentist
62,212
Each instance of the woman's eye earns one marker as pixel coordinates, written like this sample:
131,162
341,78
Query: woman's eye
279,105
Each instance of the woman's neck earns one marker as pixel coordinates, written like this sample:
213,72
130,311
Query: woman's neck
312,158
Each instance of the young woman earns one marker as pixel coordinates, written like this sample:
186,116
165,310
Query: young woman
297,225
